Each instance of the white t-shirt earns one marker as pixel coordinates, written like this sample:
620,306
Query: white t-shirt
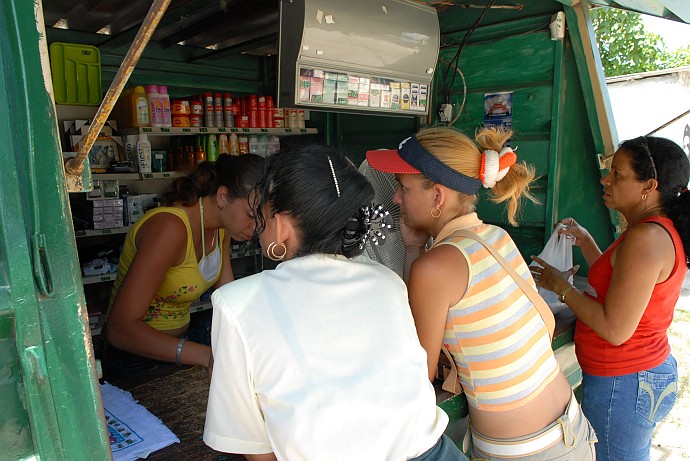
319,360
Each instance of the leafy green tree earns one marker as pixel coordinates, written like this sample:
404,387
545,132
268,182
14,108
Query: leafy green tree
627,48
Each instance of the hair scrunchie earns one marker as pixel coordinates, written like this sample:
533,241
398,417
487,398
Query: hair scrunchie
494,165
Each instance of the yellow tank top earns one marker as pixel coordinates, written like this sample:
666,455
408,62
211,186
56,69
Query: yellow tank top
183,284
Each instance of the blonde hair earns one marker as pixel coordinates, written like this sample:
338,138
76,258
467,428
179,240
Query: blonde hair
461,153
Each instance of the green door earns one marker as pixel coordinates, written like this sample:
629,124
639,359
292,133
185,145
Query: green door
50,407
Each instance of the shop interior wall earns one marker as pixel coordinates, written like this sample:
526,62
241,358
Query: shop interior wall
551,129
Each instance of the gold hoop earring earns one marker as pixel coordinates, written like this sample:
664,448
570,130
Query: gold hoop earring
271,251
438,215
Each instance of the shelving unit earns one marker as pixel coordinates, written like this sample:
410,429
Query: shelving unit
179,131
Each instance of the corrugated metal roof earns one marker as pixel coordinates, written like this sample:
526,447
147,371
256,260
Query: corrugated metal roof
676,10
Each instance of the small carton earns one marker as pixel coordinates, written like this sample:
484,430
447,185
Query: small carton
341,90
304,88
385,96
405,95
395,95
375,95
423,97
111,188
352,91
414,96
330,81
364,88
316,90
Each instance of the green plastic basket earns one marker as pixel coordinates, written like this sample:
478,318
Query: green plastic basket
76,73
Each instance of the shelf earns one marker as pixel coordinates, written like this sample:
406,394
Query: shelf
178,131
137,176
97,232
99,278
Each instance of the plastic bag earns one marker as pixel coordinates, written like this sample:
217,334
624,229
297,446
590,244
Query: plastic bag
558,252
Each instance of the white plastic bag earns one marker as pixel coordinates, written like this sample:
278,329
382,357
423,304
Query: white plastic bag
558,252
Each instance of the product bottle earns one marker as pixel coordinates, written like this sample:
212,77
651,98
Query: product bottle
223,145
199,155
234,144
139,109
209,111
218,109
155,105
191,157
131,150
144,154
212,148
244,144
165,105
227,110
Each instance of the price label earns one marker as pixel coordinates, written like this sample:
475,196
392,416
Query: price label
148,175
186,130
264,130
147,130
203,130
221,130
165,130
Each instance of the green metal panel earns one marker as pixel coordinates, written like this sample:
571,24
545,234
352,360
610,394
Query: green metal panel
52,407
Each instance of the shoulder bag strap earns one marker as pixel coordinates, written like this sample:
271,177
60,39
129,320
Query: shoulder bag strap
531,293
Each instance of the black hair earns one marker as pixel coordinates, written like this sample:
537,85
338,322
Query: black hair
239,173
671,167
300,182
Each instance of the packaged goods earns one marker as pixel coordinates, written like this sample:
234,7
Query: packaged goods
218,109
405,95
353,91
155,105
165,105
144,154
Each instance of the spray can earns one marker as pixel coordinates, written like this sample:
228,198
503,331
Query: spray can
218,109
227,109
209,111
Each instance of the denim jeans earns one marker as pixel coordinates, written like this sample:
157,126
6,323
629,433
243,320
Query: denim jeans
625,409
444,450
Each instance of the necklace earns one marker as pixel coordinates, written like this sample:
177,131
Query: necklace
203,237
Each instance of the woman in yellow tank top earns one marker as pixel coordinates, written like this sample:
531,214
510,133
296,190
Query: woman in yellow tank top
174,253
469,302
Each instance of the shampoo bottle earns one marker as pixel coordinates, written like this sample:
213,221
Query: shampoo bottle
144,154
165,105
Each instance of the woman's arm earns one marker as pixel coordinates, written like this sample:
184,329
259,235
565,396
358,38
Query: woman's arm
581,238
645,258
161,243
438,279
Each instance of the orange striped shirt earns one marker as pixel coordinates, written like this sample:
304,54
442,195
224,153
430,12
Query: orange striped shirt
497,337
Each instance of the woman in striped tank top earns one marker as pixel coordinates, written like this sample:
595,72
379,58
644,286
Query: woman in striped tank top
463,300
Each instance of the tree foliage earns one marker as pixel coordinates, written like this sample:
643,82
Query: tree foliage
627,48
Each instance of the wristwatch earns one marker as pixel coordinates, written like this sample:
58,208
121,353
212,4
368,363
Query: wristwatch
561,295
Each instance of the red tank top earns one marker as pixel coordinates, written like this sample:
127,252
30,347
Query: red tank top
648,346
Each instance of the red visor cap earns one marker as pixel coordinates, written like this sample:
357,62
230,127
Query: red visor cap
388,161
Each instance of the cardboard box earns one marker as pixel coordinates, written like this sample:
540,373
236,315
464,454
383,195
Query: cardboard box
395,95
364,88
304,88
375,95
341,90
385,96
329,87
423,98
405,95
105,151
353,91
316,90
414,96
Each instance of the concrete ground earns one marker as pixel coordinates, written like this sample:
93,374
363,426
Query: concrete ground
671,439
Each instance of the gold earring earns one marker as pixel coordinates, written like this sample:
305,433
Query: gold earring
438,215
644,197
271,251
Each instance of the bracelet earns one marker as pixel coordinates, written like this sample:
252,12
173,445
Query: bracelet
179,351
561,296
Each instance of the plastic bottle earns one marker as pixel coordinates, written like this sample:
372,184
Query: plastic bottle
227,110
199,155
155,105
139,109
223,145
218,109
244,144
234,144
131,150
144,154
212,148
165,105
209,111
191,157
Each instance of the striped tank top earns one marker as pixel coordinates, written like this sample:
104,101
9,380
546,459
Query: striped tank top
497,337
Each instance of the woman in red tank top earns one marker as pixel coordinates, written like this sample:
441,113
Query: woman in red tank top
629,375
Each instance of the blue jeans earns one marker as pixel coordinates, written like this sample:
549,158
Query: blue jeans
624,410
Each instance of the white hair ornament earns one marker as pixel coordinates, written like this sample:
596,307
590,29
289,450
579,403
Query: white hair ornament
495,165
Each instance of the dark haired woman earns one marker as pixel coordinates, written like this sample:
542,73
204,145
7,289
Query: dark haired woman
318,359
176,252
629,374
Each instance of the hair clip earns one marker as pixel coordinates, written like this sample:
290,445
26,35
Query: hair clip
368,224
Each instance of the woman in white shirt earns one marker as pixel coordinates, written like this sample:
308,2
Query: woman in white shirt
318,359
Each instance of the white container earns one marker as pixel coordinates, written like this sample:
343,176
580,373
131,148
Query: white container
218,109
165,105
144,154
131,153
209,111
155,105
